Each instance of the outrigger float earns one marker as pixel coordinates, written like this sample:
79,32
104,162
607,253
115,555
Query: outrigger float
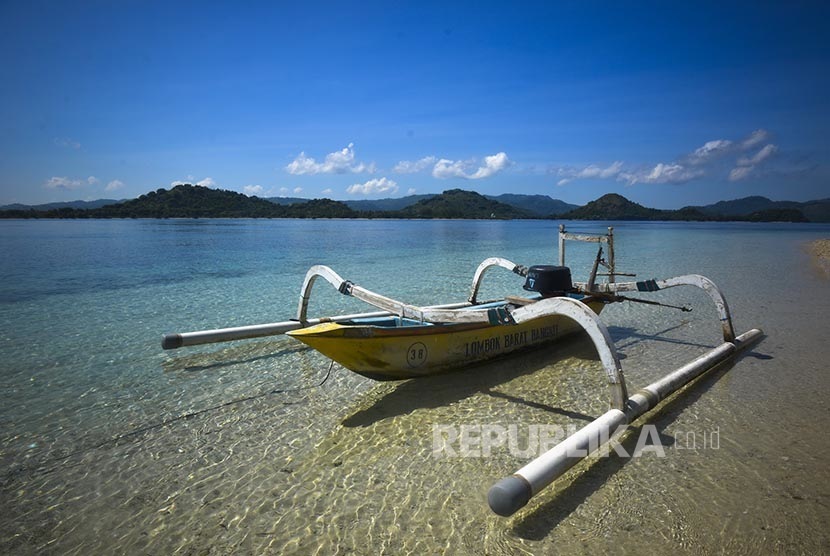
404,341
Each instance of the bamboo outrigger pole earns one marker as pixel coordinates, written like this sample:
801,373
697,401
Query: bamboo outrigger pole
182,339
512,493
389,306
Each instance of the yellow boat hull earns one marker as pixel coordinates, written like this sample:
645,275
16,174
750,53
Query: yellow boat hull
401,352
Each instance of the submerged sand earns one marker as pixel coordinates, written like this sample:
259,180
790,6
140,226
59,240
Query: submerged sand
349,467
820,250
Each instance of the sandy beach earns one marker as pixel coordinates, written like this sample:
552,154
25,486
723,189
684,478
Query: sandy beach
820,250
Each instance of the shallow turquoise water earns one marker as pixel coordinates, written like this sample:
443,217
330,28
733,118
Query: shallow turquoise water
347,467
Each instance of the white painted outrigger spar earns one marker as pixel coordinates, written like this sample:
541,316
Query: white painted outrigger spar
512,493
432,313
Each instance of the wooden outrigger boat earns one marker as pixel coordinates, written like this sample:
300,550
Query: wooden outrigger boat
403,341
392,348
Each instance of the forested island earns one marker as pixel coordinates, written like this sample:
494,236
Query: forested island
617,207
193,201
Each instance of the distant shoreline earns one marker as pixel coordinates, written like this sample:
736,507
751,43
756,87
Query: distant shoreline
193,201
50,218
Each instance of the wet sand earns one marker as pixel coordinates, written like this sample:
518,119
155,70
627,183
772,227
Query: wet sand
820,250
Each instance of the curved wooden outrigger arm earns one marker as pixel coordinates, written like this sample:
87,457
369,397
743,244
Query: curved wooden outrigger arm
597,331
695,280
487,264
434,314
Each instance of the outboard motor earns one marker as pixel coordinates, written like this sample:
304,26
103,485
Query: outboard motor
549,280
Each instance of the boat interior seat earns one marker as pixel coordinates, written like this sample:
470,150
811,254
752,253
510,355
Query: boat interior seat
519,301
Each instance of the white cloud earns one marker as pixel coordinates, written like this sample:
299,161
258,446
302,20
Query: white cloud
92,180
303,165
378,185
63,183
411,191
755,138
759,157
187,181
253,190
740,173
461,169
492,165
114,185
592,171
67,143
713,158
283,191
671,173
298,190
190,180
328,191
338,162
746,166
662,173
409,167
710,150
445,168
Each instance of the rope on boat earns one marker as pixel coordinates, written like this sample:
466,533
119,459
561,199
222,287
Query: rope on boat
684,308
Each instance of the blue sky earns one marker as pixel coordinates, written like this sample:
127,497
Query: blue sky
667,103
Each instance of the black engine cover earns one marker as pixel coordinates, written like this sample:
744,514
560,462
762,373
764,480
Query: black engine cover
549,280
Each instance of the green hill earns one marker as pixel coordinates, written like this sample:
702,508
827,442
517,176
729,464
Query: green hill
537,205
286,200
613,207
738,207
386,204
754,207
816,211
66,204
457,203
193,201
190,201
540,206
617,207
319,208
777,215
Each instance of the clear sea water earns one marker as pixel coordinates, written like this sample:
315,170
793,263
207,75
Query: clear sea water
96,458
